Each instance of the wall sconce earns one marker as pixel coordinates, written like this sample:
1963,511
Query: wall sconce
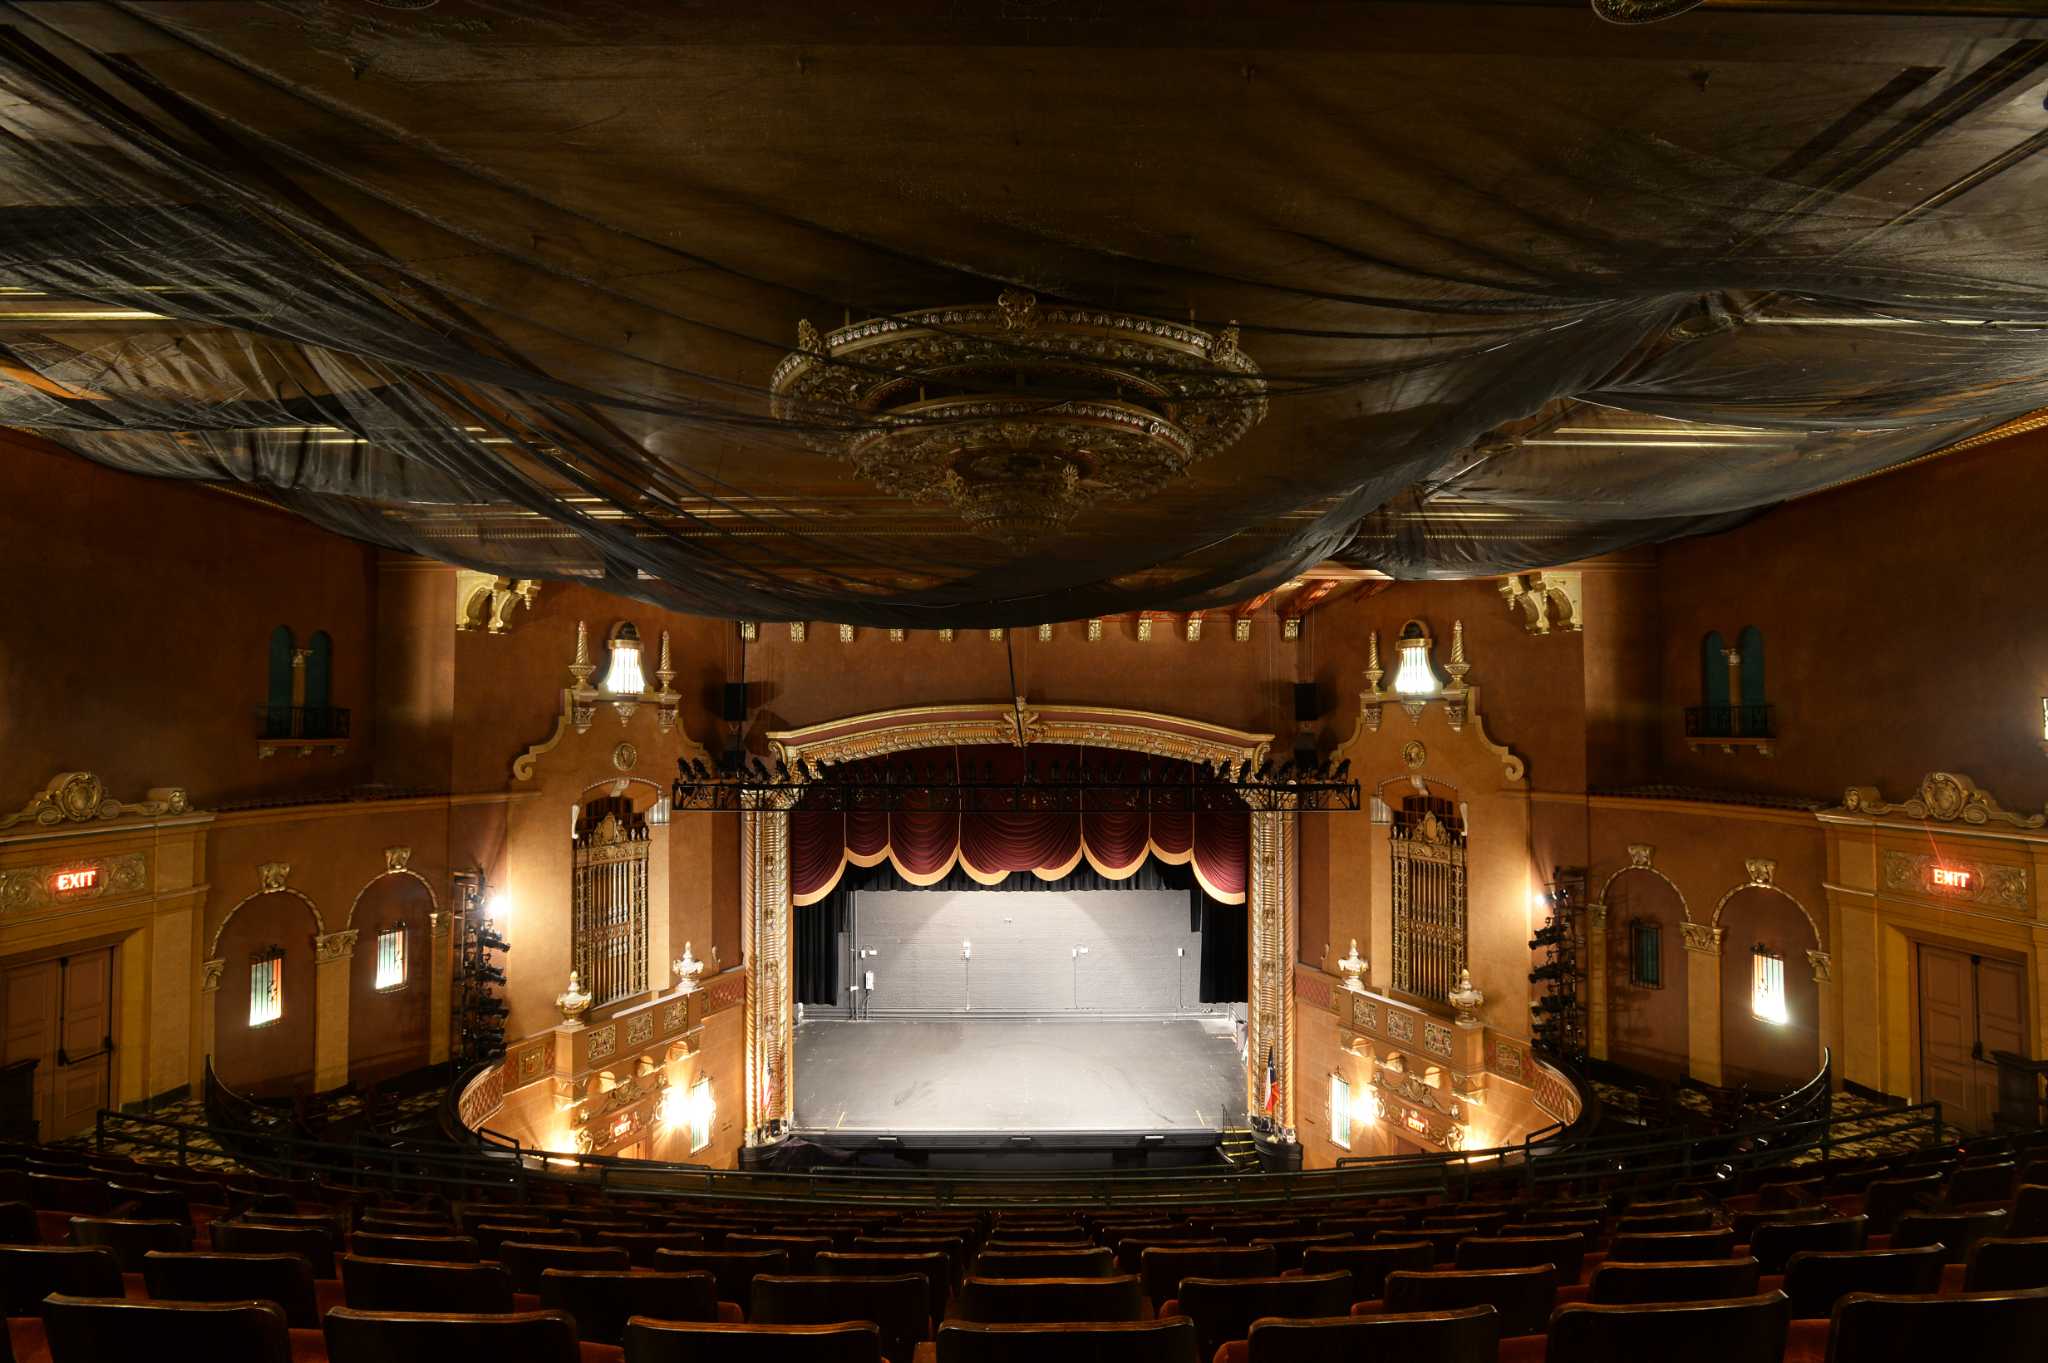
2044,724
1415,679
624,687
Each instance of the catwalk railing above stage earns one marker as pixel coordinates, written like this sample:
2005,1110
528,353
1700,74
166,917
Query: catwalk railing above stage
1056,787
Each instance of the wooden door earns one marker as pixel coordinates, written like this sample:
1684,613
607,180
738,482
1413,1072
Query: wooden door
1970,1007
29,1010
86,1039
2001,1026
1947,1030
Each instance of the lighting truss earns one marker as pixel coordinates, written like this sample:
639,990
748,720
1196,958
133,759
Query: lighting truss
1053,787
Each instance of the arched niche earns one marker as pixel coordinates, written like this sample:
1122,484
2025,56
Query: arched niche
277,1057
388,1029
1646,1022
1754,1051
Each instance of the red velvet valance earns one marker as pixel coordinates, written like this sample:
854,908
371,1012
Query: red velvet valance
924,844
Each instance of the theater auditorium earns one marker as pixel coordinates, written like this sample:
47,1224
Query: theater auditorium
1068,680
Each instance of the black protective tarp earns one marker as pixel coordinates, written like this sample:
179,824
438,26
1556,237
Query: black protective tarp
504,284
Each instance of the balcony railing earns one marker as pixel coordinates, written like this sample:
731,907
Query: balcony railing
288,723
1710,722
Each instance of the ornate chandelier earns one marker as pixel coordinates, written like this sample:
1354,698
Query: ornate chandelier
1020,414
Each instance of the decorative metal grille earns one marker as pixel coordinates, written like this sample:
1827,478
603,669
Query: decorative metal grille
608,908
1428,840
266,989
391,958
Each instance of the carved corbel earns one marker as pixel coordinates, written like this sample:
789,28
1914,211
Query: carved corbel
397,859
209,976
334,946
1704,938
1761,870
1823,966
1543,601
272,875
486,602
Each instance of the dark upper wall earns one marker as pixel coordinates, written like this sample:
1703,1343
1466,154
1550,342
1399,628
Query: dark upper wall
134,639
1898,619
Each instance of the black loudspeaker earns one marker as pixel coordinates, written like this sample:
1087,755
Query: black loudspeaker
1307,706
735,702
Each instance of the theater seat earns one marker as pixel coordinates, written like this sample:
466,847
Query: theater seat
1024,1301
2007,1265
1162,1267
1913,1329
315,1243
440,1249
1369,1265
1090,1262
1148,1341
524,1262
653,1341
1523,1296
1471,1335
1774,1242
936,1268
733,1271
1699,1280
282,1279
29,1273
411,1285
1223,1309
1815,1280
130,1239
355,1336
98,1330
601,1302
1955,1232
1737,1330
896,1305
1565,1253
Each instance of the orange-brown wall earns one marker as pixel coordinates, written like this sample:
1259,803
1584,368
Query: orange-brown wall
388,1029
135,638
1900,629
277,1057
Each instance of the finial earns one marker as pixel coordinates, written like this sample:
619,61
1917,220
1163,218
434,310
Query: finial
580,667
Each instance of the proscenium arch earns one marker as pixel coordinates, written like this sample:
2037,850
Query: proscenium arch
765,907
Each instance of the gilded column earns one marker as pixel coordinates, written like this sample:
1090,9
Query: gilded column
1596,980
764,943
1703,1013
1270,1014
441,986
333,954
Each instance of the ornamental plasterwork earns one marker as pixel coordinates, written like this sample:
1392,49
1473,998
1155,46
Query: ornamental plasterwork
1947,797
603,1043
486,602
209,975
32,887
272,875
1762,871
1542,601
1436,1038
639,1029
1823,966
1400,1026
335,946
894,731
397,859
2006,887
1639,855
1642,11
1413,1089
81,797
1701,937
672,1017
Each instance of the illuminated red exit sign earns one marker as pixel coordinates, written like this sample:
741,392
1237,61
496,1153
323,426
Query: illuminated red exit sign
1951,878
71,882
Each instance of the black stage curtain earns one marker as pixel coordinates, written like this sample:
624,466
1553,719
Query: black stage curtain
1223,963
817,951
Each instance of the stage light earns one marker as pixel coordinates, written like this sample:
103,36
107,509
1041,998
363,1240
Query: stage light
624,677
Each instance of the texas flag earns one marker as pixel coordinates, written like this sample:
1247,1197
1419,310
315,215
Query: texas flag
1272,1084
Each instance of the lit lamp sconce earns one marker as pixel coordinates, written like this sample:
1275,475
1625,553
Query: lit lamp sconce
2044,724
1416,683
624,686
1352,967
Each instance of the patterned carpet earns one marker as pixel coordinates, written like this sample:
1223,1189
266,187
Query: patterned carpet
415,1113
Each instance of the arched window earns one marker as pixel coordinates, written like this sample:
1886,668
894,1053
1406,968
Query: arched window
1714,717
277,704
319,702
1750,644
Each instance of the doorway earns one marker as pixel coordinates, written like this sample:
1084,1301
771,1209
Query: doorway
1971,1007
60,1013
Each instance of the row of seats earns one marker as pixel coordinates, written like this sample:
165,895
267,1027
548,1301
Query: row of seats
1523,1267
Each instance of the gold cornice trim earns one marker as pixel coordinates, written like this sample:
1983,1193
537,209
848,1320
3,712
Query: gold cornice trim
926,726
1708,808
1943,797
333,809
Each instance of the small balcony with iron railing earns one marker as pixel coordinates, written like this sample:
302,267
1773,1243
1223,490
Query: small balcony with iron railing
303,729
1729,727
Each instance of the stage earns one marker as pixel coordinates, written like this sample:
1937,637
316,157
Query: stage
1055,1084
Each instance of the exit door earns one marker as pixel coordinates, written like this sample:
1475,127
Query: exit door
1970,1008
60,1013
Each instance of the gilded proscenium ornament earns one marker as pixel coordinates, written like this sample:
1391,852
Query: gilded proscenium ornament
1022,414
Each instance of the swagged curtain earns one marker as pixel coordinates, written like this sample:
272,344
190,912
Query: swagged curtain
1113,835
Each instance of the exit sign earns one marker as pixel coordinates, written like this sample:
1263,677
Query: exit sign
1950,878
74,882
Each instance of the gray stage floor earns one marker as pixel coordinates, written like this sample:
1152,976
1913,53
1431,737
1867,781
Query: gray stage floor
1039,1075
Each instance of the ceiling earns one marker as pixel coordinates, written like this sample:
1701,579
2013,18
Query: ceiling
507,283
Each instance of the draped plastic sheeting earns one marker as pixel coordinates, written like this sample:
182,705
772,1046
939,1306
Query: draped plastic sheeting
505,284
927,845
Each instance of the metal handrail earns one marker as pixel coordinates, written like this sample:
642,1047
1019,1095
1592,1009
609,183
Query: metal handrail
512,1168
